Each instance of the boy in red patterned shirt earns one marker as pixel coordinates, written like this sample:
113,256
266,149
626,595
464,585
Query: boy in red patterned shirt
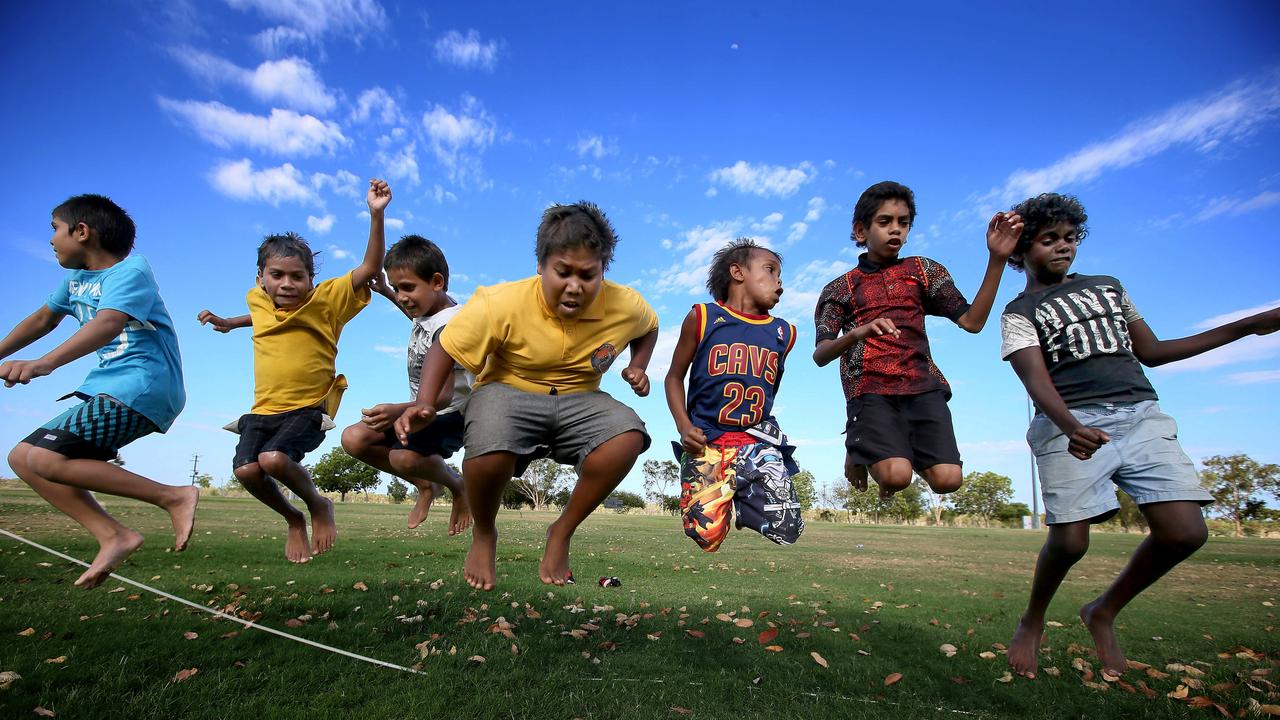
872,318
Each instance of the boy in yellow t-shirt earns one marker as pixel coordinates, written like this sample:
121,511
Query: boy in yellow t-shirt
539,348
296,326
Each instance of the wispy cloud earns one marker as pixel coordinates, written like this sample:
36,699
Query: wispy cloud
1247,349
398,164
275,185
467,51
596,147
388,349
1234,315
763,180
1229,114
289,81
798,231
340,183
278,41
440,195
1237,206
802,286
768,223
689,275
1254,378
338,253
377,103
817,205
458,138
283,132
321,225
319,18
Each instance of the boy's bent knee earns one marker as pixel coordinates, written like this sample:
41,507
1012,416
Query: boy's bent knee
357,440
248,473
944,479
1183,540
1067,545
18,457
275,463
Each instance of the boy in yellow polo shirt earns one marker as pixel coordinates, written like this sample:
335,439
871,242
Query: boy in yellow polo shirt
539,348
296,326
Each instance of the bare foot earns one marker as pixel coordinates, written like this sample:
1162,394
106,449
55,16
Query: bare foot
420,509
480,570
1102,628
1025,646
554,568
323,528
183,515
885,493
460,516
110,554
296,547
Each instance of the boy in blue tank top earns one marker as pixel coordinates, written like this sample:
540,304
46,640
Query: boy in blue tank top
731,450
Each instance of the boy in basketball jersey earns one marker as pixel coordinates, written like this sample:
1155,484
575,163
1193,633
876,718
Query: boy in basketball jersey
731,451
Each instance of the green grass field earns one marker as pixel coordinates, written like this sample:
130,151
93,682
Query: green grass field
870,601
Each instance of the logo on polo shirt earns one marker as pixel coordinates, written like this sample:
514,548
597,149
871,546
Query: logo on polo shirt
603,357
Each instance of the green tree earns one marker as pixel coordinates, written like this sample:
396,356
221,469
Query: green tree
1130,515
659,478
934,503
905,505
627,501
1012,513
397,490
865,504
541,480
1236,483
339,472
204,480
806,493
982,495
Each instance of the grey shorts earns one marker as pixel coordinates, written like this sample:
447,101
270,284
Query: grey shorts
565,428
1143,458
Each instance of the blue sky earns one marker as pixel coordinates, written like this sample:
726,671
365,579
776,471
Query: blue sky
216,123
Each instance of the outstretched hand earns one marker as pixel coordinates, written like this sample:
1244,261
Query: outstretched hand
21,372
220,324
1003,232
418,416
637,379
379,195
1267,322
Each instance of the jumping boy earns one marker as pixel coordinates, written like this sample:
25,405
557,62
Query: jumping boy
1076,342
419,277
872,318
135,390
296,325
731,452
539,348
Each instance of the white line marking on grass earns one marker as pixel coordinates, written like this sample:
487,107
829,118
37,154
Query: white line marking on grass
247,623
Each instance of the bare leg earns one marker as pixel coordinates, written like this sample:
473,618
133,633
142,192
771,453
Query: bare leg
486,477
115,541
892,474
323,528
1177,531
425,472
854,473
422,506
601,472
1066,544
944,478
296,547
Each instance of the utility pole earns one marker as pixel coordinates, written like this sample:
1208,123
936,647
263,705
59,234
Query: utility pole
195,460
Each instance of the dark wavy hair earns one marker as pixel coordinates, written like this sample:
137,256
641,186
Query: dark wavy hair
109,222
871,200
581,224
416,253
1043,211
289,244
737,252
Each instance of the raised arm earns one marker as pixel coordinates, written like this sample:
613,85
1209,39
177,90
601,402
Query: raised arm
224,325
104,326
379,285
1082,441
691,438
1152,351
32,328
1002,237
379,197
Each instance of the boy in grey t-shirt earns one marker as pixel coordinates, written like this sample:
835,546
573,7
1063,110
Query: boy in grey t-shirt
1076,342
419,277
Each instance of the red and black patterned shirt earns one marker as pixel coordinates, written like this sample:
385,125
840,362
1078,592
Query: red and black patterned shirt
903,291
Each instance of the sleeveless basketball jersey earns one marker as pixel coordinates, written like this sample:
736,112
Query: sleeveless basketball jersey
736,368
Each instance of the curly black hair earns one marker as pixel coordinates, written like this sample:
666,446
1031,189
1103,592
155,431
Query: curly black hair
289,244
1043,211
871,200
737,252
109,222
581,224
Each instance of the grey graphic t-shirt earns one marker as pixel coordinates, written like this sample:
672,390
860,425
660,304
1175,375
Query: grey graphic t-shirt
1082,330
425,331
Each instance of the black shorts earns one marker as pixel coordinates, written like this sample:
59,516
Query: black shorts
95,429
915,427
442,437
294,433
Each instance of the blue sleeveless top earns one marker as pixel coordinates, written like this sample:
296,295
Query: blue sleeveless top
736,368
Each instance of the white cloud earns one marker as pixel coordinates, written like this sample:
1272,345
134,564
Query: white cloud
764,180
289,81
399,165
466,51
1234,206
1229,114
699,244
769,223
321,225
338,253
393,223
440,195
389,349
665,243
661,362
238,179
318,18
817,205
284,132
458,139
596,147
277,41
1253,378
798,231
802,287
1224,318
1248,349
377,103
340,183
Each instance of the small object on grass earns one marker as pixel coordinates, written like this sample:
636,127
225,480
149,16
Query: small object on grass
610,582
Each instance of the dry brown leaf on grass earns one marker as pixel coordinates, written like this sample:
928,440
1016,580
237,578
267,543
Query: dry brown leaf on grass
1052,671
947,649
1005,678
1273,710
744,622
767,636
892,678
476,660
1179,693
773,648
681,710
57,661
28,632
987,655
190,635
8,678
43,712
294,623
818,659
186,674
360,586
695,633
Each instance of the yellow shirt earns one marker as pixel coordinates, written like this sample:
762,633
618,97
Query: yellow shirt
294,351
506,333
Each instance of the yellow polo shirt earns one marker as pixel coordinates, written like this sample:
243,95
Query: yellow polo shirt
294,351
506,333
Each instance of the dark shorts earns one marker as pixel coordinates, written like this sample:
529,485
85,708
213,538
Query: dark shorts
915,427
294,433
442,437
95,429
